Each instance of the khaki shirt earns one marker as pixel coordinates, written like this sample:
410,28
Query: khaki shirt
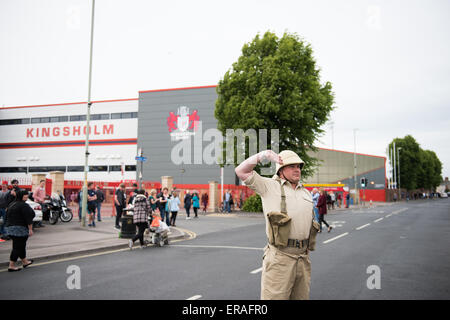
299,203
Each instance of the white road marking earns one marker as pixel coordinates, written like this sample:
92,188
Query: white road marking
256,271
378,219
196,297
400,210
387,216
361,227
339,236
336,224
222,247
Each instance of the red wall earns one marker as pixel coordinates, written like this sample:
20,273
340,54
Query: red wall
374,195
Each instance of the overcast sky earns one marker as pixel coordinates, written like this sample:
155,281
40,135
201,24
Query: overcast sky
388,61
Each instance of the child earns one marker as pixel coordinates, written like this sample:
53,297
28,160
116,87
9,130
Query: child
159,226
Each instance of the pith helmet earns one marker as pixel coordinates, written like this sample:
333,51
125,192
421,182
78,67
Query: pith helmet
289,157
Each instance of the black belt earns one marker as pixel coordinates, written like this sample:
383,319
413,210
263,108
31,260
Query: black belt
297,243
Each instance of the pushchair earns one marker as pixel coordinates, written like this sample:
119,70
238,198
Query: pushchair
158,231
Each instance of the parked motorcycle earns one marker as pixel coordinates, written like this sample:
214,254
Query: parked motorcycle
55,207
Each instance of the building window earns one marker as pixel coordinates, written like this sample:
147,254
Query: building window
116,115
115,168
14,121
124,115
78,118
130,168
98,168
40,120
75,169
103,116
47,169
13,169
59,119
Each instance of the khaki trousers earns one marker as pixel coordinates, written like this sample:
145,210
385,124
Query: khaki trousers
286,274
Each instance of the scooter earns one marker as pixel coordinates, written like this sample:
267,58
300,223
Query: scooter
55,207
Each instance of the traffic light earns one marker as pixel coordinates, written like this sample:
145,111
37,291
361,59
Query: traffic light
363,182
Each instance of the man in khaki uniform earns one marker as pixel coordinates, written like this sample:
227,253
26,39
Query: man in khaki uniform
286,266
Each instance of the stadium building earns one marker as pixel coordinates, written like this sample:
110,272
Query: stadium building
169,129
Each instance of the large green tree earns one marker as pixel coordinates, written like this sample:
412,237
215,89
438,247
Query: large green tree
275,84
418,168
430,170
409,161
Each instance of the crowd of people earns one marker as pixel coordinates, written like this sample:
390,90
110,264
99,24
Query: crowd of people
166,204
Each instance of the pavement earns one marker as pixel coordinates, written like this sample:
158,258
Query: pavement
69,239
64,240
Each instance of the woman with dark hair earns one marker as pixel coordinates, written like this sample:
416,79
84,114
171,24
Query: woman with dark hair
19,217
322,205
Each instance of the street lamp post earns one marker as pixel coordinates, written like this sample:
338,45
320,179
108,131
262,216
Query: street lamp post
398,160
141,154
88,116
395,168
354,165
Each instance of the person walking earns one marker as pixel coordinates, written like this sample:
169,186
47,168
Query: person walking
133,193
3,204
333,199
205,199
339,197
195,204
141,211
227,201
152,199
187,204
120,198
12,192
347,200
241,200
100,199
39,196
174,204
315,198
80,204
19,227
322,205
91,204
162,204
73,196
328,197
290,226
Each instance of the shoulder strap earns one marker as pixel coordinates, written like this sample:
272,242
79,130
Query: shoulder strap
283,198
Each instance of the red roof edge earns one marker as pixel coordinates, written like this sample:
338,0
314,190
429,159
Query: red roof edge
65,104
173,89
360,154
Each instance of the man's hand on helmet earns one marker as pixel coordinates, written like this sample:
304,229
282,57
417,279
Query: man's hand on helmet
244,170
271,156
